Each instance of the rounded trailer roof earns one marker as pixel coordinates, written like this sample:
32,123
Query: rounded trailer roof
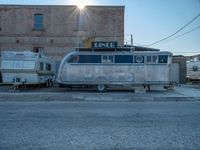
121,52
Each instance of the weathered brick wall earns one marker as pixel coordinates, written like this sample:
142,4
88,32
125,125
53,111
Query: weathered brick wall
60,33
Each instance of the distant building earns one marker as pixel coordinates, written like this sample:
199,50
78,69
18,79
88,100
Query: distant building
193,58
193,68
181,61
55,30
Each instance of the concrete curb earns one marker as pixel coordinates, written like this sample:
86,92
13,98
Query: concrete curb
93,97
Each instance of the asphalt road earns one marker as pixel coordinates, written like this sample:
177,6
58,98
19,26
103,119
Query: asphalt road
100,125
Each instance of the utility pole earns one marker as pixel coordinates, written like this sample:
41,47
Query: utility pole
131,42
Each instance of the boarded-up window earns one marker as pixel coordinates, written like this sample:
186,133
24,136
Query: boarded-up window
38,22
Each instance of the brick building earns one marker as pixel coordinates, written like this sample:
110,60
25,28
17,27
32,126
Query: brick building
55,30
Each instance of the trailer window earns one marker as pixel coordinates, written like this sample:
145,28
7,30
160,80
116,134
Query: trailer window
152,59
139,59
41,65
89,58
107,59
194,68
123,59
48,67
73,59
162,58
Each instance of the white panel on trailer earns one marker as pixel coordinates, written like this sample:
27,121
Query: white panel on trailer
18,64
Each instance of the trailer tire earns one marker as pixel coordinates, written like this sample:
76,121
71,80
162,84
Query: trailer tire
48,83
101,87
61,86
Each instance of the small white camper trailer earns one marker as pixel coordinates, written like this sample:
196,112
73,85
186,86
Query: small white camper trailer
27,67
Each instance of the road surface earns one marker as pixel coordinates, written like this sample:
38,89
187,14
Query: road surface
99,125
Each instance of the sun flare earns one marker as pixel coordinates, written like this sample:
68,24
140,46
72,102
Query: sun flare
81,6
81,3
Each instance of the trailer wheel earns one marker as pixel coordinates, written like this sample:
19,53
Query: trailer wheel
148,87
48,83
61,85
101,87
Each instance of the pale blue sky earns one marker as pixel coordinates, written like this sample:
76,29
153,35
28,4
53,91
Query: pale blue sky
150,21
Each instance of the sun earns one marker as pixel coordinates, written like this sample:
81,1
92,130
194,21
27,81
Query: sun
81,3
81,6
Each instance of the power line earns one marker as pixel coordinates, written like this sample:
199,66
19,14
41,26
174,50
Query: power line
174,32
194,29
184,33
129,41
185,52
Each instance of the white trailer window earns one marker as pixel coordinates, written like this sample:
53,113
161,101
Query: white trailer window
73,59
107,59
41,65
194,68
48,67
139,59
89,58
152,59
123,58
162,58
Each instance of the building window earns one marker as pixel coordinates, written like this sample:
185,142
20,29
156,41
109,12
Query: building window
38,50
38,21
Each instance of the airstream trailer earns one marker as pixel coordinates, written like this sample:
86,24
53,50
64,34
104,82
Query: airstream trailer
27,67
193,70
104,68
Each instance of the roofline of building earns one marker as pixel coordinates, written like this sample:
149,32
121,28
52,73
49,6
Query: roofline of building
19,5
197,55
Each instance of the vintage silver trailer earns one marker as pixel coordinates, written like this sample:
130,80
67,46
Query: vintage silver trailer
193,70
102,68
27,67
